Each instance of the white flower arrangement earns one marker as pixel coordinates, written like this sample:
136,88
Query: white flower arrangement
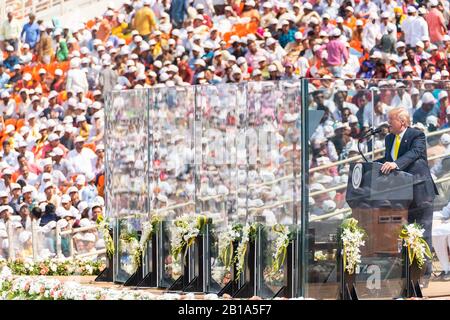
281,244
187,228
352,238
418,249
130,246
226,240
46,288
55,267
248,232
103,226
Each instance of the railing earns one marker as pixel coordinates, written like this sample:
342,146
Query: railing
36,244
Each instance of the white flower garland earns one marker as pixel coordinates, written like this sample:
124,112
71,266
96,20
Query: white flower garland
187,228
247,232
103,226
55,266
281,244
226,239
352,239
418,249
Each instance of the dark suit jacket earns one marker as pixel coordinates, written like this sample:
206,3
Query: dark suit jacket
412,158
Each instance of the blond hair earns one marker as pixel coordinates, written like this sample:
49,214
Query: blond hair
402,114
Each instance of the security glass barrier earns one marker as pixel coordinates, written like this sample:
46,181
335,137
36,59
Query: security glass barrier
233,153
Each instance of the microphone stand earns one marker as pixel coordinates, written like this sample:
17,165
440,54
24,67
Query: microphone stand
371,132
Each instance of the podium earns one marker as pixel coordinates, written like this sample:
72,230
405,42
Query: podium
380,203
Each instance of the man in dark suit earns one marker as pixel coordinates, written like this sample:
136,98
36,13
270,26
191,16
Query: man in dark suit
406,150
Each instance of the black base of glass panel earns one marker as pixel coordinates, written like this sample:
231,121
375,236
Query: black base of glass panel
413,290
246,291
148,281
230,288
105,276
177,285
135,278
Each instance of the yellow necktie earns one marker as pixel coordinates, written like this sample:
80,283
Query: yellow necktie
396,146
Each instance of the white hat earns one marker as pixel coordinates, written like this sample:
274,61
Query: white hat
329,206
336,32
27,76
72,189
411,9
58,151
81,179
53,137
400,44
422,10
272,68
428,98
10,128
65,198
445,139
27,189
392,70
443,94
271,41
79,139
420,44
15,186
250,3
434,3
81,118
307,6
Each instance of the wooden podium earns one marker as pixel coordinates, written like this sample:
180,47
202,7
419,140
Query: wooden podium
380,204
383,227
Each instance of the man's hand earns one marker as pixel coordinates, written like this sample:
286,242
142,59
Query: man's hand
387,167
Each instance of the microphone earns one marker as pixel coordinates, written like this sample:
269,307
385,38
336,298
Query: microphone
373,131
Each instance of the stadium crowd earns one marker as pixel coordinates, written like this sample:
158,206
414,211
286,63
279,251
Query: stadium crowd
363,58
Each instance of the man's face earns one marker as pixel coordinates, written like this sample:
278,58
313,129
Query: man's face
96,212
49,192
67,205
4,200
395,125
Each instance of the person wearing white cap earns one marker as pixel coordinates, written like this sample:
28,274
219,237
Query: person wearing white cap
370,32
274,51
338,54
76,77
427,108
81,157
107,77
436,23
418,28
44,46
402,98
7,105
67,210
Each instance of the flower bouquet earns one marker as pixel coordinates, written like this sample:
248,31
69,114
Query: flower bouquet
418,249
187,228
351,237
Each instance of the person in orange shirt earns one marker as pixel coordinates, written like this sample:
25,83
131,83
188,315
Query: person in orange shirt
104,30
350,19
250,11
